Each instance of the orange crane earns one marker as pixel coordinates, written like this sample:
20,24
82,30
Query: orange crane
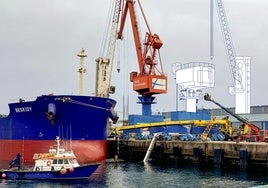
150,79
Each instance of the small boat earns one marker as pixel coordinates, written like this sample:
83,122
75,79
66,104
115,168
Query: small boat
56,164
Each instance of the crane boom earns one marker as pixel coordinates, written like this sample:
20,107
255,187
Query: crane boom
207,97
239,66
130,7
236,74
105,64
255,130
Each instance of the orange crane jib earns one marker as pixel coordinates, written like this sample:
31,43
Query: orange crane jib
150,79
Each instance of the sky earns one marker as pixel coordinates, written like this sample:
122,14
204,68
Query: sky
40,40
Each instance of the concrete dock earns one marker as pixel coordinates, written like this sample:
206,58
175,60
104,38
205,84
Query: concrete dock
242,154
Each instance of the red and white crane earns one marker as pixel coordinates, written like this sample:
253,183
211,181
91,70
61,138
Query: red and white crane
150,79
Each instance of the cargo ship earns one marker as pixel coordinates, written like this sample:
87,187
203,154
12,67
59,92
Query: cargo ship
79,120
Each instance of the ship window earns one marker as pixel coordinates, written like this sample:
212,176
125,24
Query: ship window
71,161
55,161
66,161
60,161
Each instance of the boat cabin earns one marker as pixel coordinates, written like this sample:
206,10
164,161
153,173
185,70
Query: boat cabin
56,159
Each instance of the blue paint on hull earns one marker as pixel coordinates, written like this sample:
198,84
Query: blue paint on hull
82,172
80,118
83,119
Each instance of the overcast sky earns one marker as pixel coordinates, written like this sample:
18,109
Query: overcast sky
39,41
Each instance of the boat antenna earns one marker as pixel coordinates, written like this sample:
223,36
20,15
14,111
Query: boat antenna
71,143
58,144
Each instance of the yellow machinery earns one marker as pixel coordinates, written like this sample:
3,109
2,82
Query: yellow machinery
226,129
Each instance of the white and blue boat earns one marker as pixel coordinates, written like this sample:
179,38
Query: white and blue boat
54,165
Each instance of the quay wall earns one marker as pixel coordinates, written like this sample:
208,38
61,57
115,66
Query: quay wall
255,152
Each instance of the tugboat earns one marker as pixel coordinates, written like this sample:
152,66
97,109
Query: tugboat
56,164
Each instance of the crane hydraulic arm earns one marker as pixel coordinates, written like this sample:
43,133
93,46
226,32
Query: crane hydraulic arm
254,129
150,79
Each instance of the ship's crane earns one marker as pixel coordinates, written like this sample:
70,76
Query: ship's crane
254,134
82,70
150,79
105,64
239,66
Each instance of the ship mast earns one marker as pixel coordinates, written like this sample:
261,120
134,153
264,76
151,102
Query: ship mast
81,70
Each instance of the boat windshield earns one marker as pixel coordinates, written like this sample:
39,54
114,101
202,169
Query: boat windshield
72,161
65,161
60,161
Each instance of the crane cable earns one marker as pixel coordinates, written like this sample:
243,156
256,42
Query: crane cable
106,30
146,22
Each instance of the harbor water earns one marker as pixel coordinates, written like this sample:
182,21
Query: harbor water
132,175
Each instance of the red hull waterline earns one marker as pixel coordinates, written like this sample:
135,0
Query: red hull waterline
88,151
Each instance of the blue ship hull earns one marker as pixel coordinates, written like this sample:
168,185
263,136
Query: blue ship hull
80,120
82,172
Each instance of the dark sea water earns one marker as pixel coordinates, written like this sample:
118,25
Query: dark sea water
125,174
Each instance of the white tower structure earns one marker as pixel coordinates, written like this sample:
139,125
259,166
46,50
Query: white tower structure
82,70
192,77
239,66
242,93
